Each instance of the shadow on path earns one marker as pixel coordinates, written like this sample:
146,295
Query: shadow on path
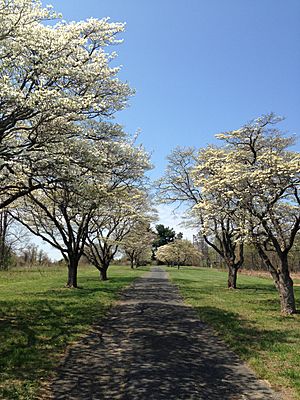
153,347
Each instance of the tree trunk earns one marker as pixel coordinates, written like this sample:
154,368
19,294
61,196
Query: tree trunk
232,276
285,289
72,273
282,281
131,263
3,244
103,273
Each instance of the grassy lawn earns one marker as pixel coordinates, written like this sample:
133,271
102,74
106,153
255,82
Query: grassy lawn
39,318
250,322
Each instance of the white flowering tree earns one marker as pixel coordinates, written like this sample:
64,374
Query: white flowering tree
221,221
165,255
180,252
89,172
206,211
5,223
52,75
112,223
60,213
137,245
260,178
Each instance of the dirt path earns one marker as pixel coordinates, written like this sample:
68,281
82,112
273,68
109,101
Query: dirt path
153,347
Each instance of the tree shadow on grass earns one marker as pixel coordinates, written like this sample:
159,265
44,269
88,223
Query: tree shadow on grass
244,338
36,328
266,286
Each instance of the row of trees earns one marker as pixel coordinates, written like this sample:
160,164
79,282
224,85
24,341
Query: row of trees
244,192
73,177
68,173
121,237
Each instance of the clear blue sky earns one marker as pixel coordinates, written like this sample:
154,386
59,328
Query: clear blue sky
202,66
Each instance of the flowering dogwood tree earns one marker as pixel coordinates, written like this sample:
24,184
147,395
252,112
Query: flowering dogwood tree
221,222
89,173
137,245
113,223
260,179
51,77
180,252
206,211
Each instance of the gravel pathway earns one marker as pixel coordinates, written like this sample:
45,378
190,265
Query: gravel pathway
153,347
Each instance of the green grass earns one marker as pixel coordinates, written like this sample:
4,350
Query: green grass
39,318
249,320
